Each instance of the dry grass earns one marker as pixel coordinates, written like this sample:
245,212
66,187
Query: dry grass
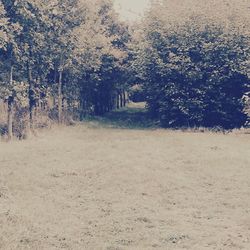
94,187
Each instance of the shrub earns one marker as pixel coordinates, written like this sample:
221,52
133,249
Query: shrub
194,74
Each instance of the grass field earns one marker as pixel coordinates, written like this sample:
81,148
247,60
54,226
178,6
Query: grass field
118,183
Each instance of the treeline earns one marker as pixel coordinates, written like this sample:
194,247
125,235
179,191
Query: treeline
188,60
191,59
61,55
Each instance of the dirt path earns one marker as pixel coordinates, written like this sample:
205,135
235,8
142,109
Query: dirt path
87,187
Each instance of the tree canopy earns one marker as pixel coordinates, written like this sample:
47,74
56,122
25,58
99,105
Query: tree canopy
193,62
189,59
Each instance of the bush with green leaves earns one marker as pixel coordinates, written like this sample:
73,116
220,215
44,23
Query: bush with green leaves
194,73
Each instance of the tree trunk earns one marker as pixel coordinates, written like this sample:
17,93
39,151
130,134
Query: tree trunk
124,98
39,101
60,97
82,105
121,99
117,101
55,82
10,108
10,118
31,99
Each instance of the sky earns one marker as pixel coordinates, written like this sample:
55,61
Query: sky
131,9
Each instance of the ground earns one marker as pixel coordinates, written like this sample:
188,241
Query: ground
101,185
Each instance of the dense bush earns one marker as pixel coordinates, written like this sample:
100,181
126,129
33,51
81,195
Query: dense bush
194,73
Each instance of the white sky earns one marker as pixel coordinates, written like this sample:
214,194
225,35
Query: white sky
131,9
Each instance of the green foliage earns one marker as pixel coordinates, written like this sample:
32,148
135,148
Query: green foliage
69,53
101,51
194,73
18,91
77,56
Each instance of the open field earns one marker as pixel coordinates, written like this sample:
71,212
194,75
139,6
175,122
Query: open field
92,186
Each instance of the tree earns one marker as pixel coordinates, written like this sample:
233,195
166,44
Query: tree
31,44
193,69
73,51
9,49
100,55
66,17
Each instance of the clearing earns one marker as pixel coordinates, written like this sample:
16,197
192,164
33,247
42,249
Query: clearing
115,185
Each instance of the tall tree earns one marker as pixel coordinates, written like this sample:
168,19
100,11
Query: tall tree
10,55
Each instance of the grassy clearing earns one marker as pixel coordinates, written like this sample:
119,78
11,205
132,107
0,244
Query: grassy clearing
99,185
